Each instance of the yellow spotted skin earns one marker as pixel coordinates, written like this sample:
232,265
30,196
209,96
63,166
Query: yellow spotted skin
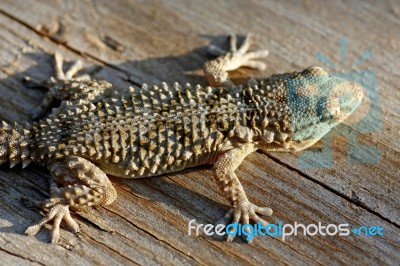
154,130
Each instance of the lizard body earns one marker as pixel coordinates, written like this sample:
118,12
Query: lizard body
162,129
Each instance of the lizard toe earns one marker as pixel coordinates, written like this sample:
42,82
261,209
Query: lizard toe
244,214
56,214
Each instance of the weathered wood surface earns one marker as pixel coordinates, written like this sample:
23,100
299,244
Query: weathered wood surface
130,42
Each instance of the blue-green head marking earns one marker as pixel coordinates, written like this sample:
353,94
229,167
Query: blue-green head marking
300,108
318,102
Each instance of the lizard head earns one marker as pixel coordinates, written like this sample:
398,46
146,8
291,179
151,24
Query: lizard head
316,102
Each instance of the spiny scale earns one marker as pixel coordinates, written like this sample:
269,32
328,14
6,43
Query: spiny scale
14,144
154,130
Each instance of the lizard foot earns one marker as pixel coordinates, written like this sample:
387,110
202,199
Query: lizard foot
216,70
60,74
72,70
57,213
238,57
243,214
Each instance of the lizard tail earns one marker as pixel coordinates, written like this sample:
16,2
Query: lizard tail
14,144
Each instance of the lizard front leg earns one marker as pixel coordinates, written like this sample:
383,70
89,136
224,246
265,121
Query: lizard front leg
217,70
83,185
242,210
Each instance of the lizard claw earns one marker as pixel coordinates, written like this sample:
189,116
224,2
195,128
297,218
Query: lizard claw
57,213
243,214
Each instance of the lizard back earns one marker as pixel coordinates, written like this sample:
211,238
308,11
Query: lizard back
143,132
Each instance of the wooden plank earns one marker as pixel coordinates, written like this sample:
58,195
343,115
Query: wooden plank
293,45
160,41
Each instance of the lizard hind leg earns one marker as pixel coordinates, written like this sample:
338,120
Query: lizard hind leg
217,70
67,87
82,185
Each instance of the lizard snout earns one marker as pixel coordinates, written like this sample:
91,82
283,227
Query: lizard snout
344,99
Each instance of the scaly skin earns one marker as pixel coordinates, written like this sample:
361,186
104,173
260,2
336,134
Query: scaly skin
161,129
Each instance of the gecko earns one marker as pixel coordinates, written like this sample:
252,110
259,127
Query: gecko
154,130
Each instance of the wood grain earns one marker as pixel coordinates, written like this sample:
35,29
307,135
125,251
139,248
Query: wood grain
131,42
